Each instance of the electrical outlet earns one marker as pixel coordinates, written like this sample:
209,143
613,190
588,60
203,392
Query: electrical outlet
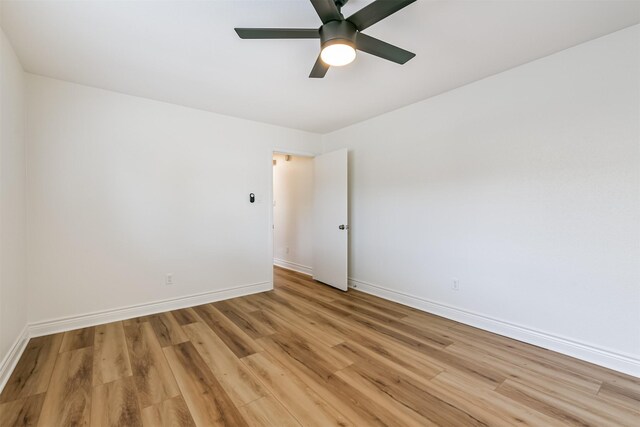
455,285
168,279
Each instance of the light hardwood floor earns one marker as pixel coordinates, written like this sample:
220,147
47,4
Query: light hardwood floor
306,354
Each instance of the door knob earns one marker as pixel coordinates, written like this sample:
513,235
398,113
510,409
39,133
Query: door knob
343,227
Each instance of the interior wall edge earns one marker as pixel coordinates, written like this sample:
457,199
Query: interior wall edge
13,305
10,360
624,363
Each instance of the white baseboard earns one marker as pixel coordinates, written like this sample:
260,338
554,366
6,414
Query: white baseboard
625,363
10,360
64,324
293,266
106,316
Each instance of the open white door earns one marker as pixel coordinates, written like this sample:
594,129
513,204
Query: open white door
330,237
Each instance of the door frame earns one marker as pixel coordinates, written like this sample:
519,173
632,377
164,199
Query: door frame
270,221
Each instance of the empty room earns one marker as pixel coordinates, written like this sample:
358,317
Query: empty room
319,213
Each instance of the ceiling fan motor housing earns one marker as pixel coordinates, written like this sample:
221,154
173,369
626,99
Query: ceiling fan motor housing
343,32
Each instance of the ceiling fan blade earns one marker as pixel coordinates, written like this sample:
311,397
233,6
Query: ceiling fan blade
327,10
278,33
382,49
376,11
319,69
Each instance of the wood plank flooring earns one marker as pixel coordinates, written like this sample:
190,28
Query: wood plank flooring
305,354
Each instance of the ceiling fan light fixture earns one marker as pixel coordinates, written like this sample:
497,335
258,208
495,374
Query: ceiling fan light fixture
340,37
338,54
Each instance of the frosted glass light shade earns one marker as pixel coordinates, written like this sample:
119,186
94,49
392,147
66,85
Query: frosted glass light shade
338,54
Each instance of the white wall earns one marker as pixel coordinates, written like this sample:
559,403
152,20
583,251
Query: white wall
293,212
525,187
123,190
13,292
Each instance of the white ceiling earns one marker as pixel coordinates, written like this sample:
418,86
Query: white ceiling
186,52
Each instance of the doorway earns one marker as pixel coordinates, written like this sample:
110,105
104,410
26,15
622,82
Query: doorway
293,212
308,227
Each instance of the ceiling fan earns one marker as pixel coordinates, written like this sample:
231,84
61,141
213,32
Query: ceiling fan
340,36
